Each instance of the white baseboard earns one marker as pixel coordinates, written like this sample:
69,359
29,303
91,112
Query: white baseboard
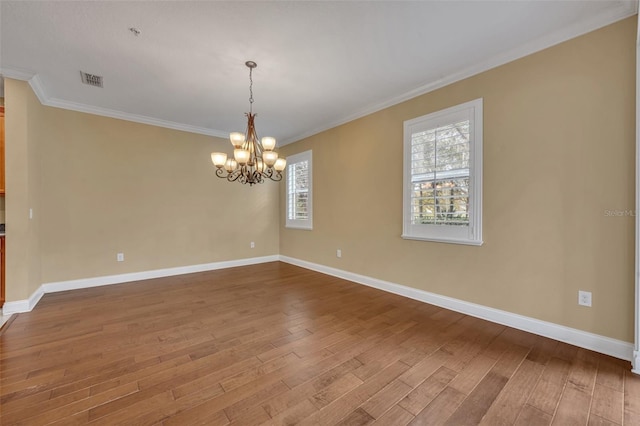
636,362
595,342
52,287
583,339
26,305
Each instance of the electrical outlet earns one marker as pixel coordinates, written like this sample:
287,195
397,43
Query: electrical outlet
30,213
120,257
338,253
253,245
584,298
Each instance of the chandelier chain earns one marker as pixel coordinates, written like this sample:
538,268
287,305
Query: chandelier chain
250,90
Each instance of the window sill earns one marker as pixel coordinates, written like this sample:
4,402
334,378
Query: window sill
445,240
303,227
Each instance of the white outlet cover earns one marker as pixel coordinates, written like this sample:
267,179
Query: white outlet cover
584,298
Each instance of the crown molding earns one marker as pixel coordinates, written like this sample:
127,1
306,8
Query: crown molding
38,88
17,73
74,106
624,10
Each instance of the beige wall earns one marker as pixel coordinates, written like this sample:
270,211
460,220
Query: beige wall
22,177
558,151
102,186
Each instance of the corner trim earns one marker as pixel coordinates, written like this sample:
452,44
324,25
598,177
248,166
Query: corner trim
583,339
53,287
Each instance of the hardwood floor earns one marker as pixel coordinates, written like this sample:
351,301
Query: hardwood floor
277,344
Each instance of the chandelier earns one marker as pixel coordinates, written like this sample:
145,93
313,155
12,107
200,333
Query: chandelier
253,160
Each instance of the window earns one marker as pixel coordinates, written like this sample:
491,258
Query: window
443,175
299,191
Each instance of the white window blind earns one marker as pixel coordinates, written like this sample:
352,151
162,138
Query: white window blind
299,191
443,172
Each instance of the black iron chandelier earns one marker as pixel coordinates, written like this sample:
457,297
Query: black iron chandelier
254,160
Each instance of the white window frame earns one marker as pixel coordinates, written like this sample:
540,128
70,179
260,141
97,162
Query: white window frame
472,234
300,223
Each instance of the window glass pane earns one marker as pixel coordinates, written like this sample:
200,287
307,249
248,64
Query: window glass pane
301,206
444,202
298,188
440,175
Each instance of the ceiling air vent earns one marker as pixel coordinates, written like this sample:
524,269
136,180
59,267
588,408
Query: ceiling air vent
91,79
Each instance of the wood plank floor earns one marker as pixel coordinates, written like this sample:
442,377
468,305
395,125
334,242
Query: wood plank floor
277,344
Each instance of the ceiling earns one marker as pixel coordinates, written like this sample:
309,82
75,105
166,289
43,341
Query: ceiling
320,63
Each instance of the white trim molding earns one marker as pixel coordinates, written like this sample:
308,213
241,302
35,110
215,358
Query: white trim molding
595,342
26,305
38,88
624,10
636,352
17,73
53,287
583,339
112,113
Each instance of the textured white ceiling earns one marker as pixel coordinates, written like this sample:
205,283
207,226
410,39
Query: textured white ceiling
320,63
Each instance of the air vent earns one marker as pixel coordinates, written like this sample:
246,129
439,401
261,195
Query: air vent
91,79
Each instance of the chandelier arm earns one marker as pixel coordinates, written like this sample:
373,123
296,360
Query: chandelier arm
272,174
234,175
277,177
